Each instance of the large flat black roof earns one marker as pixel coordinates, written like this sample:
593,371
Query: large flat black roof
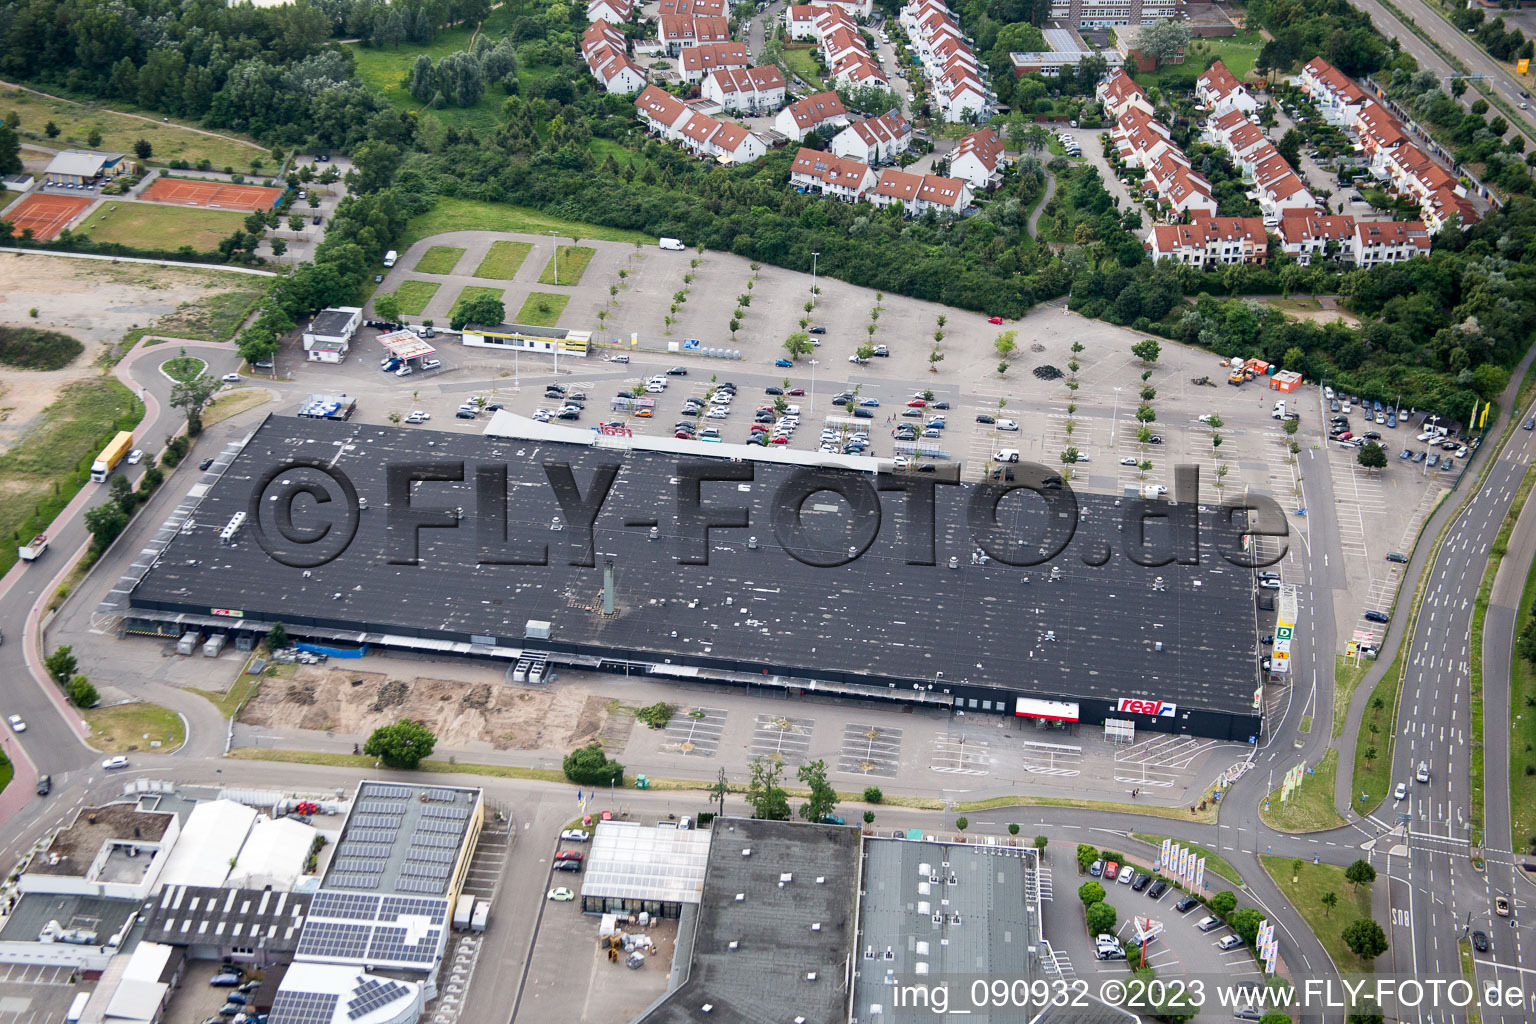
1178,633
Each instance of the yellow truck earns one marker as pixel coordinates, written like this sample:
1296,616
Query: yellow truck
111,455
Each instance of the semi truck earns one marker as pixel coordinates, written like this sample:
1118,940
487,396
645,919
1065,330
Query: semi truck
111,455
34,550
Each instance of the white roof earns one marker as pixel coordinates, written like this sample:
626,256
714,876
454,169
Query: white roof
210,839
274,854
148,961
81,162
628,860
341,987
136,1001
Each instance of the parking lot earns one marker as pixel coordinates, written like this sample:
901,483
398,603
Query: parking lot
35,994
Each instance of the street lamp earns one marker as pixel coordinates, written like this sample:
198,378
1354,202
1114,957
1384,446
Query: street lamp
555,249
1115,419
810,406
814,257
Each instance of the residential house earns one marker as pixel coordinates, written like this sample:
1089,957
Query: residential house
1447,208
957,79
979,160
878,140
920,193
1210,242
1389,241
619,75
661,112
600,34
698,61
854,70
722,141
1118,93
746,90
1219,90
829,175
800,21
1282,195
1308,235
693,8
614,12
1338,98
802,117
680,31
1184,191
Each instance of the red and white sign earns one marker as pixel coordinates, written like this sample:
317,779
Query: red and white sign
1155,708
615,431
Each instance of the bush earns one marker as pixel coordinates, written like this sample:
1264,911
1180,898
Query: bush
81,693
657,715
589,766
1101,918
1090,893
27,348
1086,855
872,795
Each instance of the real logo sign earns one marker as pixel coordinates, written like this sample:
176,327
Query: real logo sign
1156,708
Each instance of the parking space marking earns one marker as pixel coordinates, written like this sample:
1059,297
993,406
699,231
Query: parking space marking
695,732
787,740
960,756
870,750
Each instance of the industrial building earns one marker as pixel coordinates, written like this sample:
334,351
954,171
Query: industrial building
1087,636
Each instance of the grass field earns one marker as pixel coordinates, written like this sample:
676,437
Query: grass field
802,62
183,368
131,727
1522,736
1237,52
572,262
45,470
541,309
452,214
414,296
1306,895
7,772
1213,860
119,132
504,260
229,701
153,226
440,259
1346,676
474,291
233,403
1371,778
1311,808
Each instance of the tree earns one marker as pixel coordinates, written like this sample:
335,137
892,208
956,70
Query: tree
1100,918
1147,350
1086,855
277,637
1330,899
869,817
1289,146
482,309
81,693
51,130
935,357
105,522
1146,414
387,307
402,745
193,395
1069,456
1365,938
295,223
10,150
1041,842
962,823
1090,893
718,790
823,797
1223,903
142,149
798,344
768,799
872,795
279,248
1163,40
1360,873
1006,344
61,663
1372,456
1245,922
590,766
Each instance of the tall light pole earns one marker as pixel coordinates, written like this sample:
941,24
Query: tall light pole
1115,419
814,257
810,407
555,249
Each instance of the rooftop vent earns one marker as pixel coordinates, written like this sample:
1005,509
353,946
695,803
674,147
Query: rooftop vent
741,897
810,975
821,879
816,926
746,851
786,877
707,1007
751,543
733,944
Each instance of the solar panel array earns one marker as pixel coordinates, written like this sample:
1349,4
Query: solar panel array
334,940
371,835
442,825
342,880
395,907
438,839
346,905
394,807
390,792
371,995
421,885
391,944
375,929
452,812
384,821
415,869
303,1007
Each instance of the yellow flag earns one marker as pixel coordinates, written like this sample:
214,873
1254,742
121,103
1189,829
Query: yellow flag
1484,421
1523,65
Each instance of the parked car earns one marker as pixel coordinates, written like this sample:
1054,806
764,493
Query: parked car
1229,942
1008,425
230,378
1185,905
205,464
782,362
982,417
1158,888
1110,870
1096,869
44,784
568,855
994,319
1141,881
1208,923
561,894
567,865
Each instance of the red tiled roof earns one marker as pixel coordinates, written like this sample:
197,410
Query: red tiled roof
1307,227
829,169
813,110
1393,232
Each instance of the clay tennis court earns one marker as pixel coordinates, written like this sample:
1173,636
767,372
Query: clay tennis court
46,215
215,195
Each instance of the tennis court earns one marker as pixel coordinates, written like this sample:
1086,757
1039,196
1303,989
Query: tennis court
215,195
46,214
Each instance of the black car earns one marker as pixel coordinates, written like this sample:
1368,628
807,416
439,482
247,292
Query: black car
1141,881
569,414
44,784
576,396
465,414
205,464
863,414
773,391
1480,942
818,329
939,405
494,407
678,371
316,221
1158,888
912,413
555,387
567,865
1186,904
1267,639
841,400
1155,439
982,417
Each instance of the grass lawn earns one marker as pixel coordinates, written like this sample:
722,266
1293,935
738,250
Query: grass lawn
572,261
132,727
119,132
542,309
504,260
802,63
1237,52
1371,777
154,226
1522,735
452,214
44,470
7,772
1306,895
183,368
233,403
440,259
414,296
1346,676
603,148
474,291
1311,808
229,701
1213,860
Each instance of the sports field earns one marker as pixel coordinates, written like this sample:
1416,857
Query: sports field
46,215
216,195
152,226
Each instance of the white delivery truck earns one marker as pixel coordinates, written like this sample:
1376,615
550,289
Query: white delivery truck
463,912
671,244
390,257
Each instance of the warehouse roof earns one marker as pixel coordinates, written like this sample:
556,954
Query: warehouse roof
1176,633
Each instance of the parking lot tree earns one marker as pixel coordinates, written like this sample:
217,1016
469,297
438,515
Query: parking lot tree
590,766
872,795
1145,414
279,248
935,357
61,663
1245,921
1086,855
1372,456
823,798
768,799
798,344
1360,873
1100,917
1090,892
1223,903
962,823
1147,350
1365,938
402,745
718,790
1143,434
1069,456
865,351
1006,344
1291,426
387,307
295,223
869,817
482,309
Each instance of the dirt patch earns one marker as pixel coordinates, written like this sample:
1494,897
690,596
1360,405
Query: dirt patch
460,713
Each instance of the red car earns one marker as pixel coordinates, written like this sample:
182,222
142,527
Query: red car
778,440
795,391
917,403
568,855
994,319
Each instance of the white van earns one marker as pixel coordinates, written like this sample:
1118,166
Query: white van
390,257
671,245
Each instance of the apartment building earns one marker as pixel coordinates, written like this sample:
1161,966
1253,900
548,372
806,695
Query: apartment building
746,90
1209,243
698,61
920,193
1080,14
679,32
957,80
979,160
877,140
826,174
1336,95
1307,236
804,116
1389,241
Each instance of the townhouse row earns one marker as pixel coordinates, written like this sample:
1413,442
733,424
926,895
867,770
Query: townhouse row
1210,243
957,83
836,177
1143,142
844,52
1391,157
672,120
